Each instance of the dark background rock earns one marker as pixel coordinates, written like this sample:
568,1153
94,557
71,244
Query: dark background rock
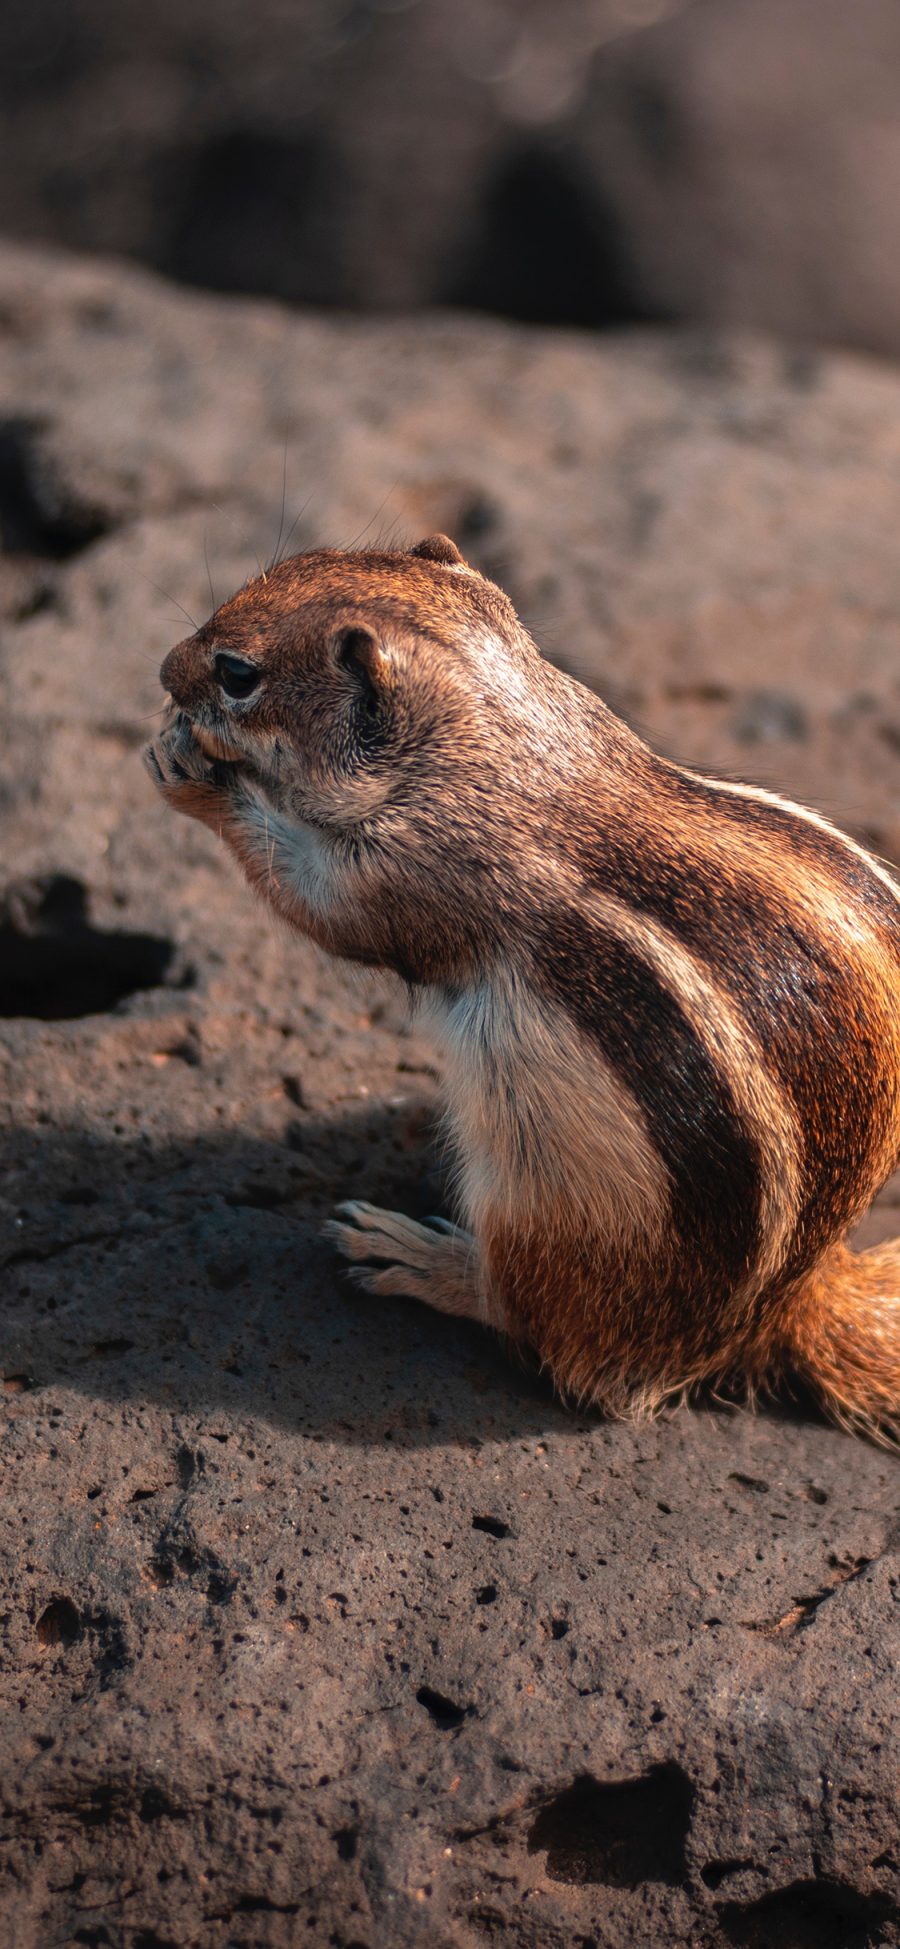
355,154
751,153
321,1622
566,161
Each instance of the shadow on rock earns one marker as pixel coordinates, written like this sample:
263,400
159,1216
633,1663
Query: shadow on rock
195,1273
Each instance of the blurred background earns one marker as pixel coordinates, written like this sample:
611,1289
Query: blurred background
580,162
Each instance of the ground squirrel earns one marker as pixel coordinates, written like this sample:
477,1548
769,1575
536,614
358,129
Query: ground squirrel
670,1005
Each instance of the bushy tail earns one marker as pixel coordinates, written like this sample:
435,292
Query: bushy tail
844,1337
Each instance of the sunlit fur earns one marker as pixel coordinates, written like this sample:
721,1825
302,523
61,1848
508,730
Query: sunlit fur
669,1006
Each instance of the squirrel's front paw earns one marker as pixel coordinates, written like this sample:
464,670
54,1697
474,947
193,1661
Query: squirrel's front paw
187,779
435,1262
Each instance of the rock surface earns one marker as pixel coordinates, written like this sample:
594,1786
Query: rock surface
322,1622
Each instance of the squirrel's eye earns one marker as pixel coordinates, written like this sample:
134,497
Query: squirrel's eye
235,675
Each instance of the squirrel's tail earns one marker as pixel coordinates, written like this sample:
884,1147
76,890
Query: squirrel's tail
843,1337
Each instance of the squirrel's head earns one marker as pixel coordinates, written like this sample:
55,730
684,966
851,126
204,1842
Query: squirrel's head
352,724
336,677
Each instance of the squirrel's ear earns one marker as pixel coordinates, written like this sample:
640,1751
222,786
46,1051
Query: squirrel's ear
359,651
439,548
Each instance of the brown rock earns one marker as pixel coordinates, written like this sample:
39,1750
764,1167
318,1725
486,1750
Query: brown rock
321,1622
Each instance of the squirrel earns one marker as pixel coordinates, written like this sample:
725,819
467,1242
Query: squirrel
670,1004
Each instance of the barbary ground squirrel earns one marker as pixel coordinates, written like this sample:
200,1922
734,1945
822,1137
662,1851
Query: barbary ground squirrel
671,1006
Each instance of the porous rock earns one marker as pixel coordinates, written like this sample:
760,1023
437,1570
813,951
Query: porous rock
321,1621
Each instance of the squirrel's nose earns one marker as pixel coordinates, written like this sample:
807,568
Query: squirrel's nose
175,674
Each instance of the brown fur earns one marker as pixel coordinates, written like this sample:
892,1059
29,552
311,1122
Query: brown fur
671,1007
